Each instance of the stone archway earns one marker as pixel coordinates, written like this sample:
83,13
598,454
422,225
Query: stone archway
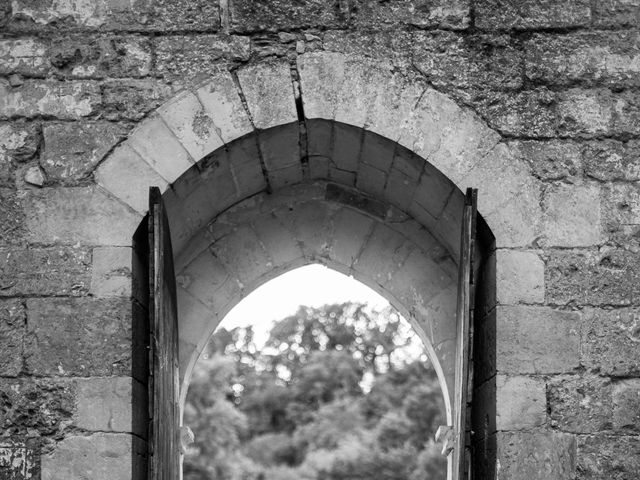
349,132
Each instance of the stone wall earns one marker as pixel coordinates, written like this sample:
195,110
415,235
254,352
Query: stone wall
557,80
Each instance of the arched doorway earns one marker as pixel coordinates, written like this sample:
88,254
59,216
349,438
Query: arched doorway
351,136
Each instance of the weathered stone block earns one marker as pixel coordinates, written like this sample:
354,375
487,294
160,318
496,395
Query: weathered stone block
393,47
65,100
616,13
520,277
572,215
280,147
11,217
574,112
78,336
42,407
111,272
72,150
12,330
162,15
260,15
348,226
180,15
609,160
108,56
537,340
591,277
580,404
105,404
621,205
44,271
400,189
194,56
248,263
222,102
102,456
531,14
128,177
536,456
453,14
521,402
24,56
79,214
615,458
549,160
604,58
19,458
18,142
484,61
626,404
132,99
610,341
270,101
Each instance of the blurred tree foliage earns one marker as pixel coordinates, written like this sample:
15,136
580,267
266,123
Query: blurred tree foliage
338,392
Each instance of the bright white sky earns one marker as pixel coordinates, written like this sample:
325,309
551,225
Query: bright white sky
312,285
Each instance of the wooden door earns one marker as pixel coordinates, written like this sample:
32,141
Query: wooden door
164,449
464,322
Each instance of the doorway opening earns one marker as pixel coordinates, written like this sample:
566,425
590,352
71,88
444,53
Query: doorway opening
314,376
226,245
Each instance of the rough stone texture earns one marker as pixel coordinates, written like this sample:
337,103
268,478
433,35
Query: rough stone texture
609,160
44,271
621,205
24,56
605,58
537,340
78,336
158,15
576,112
11,217
531,14
186,56
572,215
78,214
270,101
19,458
626,405
108,56
536,456
260,15
12,330
580,404
520,402
18,143
616,13
36,407
111,272
132,99
101,456
550,160
610,341
519,277
66,100
453,14
613,458
608,276
72,150
487,61
105,404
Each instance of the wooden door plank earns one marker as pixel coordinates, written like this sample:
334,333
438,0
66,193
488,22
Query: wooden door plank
464,316
164,386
